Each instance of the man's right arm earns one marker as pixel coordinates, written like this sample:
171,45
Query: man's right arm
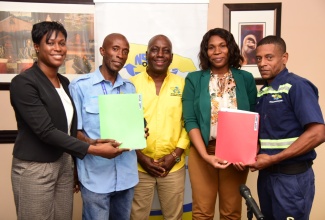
313,136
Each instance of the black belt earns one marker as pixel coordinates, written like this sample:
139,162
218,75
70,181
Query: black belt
290,169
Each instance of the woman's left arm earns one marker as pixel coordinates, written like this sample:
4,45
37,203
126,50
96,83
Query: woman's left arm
30,110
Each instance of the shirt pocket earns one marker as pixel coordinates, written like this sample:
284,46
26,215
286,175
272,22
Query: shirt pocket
91,109
277,114
91,119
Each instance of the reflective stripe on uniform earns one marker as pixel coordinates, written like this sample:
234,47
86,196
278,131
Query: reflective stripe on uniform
277,144
269,90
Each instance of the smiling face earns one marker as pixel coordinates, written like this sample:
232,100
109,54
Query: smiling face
51,54
270,61
159,55
218,54
115,52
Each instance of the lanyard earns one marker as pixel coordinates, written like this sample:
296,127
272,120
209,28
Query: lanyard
104,88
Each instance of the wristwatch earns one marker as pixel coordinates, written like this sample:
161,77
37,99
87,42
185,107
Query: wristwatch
177,158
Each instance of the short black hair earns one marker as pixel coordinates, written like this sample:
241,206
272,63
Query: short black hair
235,59
47,28
272,39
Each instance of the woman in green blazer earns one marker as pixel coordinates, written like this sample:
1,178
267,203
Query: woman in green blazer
219,84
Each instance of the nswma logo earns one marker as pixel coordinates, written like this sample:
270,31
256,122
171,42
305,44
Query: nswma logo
137,57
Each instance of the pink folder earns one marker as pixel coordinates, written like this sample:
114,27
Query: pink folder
237,134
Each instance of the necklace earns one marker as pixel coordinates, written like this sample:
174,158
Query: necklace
221,82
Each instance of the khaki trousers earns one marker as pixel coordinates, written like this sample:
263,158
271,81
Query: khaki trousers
43,191
207,182
170,192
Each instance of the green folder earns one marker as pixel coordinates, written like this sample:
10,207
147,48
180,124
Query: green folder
121,118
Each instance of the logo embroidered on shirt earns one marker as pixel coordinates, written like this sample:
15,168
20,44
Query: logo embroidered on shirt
276,96
175,91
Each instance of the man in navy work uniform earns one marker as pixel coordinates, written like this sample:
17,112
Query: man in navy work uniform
291,126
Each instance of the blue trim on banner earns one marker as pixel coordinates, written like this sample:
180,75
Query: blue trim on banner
186,208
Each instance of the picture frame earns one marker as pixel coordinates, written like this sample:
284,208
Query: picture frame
249,23
8,136
81,41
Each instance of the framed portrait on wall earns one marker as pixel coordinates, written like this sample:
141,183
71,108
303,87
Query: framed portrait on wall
249,23
16,46
249,35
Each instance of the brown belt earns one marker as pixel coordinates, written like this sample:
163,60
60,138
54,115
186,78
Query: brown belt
212,143
211,147
290,169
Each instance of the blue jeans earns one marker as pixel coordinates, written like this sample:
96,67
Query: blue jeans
106,206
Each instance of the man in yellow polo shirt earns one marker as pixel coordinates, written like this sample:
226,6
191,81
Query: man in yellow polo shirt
162,163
